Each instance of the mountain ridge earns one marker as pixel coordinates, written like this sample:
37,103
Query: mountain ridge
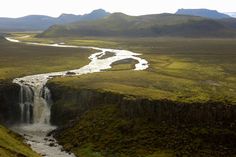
155,25
213,14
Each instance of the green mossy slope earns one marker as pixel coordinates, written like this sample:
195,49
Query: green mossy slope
11,145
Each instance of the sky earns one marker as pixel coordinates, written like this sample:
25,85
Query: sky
18,8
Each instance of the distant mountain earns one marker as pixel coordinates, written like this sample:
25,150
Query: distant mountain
67,18
232,14
32,22
213,14
41,22
119,24
94,15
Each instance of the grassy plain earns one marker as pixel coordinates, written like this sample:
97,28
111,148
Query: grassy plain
18,59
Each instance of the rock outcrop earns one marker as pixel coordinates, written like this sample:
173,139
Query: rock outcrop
9,99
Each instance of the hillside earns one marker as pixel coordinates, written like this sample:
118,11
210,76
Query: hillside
41,22
213,14
119,24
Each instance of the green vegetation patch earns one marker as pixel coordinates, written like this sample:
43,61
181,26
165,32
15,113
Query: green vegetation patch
126,64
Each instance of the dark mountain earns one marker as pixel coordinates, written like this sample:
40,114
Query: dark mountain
41,22
119,24
213,14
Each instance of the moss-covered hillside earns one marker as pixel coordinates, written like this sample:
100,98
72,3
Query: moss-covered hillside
105,132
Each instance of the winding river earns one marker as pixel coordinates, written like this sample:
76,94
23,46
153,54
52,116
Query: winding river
35,98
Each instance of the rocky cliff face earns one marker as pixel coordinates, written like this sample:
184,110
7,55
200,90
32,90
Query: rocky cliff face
9,99
69,104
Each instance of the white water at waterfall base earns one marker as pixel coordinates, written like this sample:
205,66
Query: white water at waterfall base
35,103
35,98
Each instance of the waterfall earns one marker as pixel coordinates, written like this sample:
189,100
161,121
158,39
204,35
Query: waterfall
35,104
26,104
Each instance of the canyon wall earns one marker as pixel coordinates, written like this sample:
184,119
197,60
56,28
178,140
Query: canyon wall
70,103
